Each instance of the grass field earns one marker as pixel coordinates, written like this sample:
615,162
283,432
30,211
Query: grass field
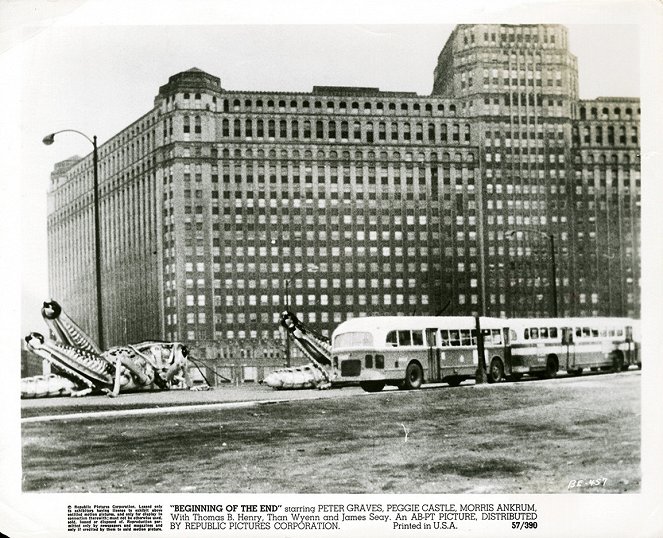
528,437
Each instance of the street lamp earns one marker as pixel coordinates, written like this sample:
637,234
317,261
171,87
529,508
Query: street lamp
550,238
48,140
311,268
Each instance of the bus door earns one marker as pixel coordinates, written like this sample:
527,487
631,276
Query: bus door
433,355
506,341
629,346
568,348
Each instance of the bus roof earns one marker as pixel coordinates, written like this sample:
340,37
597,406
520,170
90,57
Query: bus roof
390,323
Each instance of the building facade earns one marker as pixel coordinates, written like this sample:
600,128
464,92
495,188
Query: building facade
220,207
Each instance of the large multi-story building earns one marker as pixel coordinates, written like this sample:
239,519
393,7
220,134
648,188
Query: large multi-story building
217,204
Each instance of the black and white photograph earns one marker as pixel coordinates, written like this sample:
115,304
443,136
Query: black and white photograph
273,269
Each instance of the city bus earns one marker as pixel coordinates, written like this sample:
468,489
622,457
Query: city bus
405,351
542,347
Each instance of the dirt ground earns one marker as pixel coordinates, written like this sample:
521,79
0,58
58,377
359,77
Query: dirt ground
527,437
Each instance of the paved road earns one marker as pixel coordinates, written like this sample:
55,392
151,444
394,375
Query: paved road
225,394
221,394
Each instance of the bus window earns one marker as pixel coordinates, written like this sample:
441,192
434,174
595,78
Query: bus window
454,338
391,339
417,338
379,361
404,338
553,332
595,333
611,332
496,337
526,334
354,339
585,332
487,336
465,337
534,333
620,332
578,331
369,361
513,334
444,338
604,333
431,337
543,332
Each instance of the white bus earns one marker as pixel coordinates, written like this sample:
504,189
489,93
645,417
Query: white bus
542,347
405,351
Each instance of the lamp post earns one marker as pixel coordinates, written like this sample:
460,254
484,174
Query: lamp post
48,140
311,268
551,239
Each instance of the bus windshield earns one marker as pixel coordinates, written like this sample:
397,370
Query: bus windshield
353,340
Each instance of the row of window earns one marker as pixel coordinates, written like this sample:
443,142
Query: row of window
447,338
465,337
277,284
527,134
521,34
249,105
344,130
545,333
526,79
602,159
356,158
606,137
125,136
333,216
606,113
338,179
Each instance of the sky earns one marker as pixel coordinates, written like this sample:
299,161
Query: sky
98,71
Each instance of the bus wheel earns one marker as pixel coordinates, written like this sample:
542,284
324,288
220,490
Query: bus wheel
496,372
551,367
414,376
372,386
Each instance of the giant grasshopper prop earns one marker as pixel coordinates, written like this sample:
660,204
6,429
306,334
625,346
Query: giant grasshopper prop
81,368
318,373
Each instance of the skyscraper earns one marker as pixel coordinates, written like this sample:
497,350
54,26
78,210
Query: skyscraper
519,84
365,201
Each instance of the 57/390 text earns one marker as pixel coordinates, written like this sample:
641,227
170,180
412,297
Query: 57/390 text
523,524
